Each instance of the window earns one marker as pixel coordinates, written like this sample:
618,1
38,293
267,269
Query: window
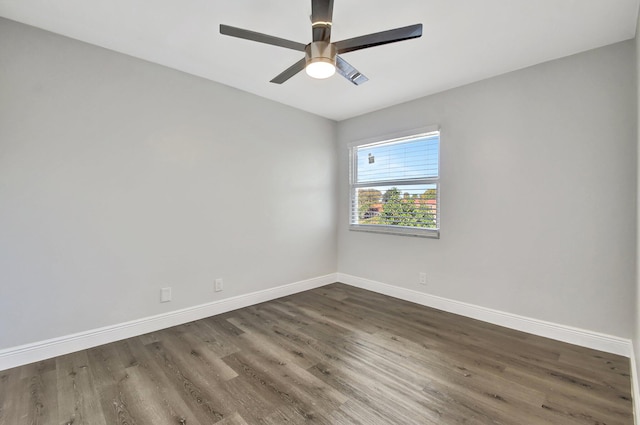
395,185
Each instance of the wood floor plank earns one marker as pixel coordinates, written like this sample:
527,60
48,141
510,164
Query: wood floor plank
197,356
274,389
252,403
37,382
234,419
147,402
109,373
332,355
151,394
16,409
271,340
180,377
203,334
78,401
7,386
378,394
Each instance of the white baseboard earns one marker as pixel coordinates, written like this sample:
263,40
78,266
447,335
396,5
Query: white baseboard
635,386
29,353
581,337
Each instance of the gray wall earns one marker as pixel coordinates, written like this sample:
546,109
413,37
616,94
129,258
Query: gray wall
119,177
538,194
636,336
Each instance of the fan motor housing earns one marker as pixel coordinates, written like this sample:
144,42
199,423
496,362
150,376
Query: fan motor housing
320,51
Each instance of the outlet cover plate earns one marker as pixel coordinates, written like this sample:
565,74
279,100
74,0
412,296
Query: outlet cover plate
165,295
218,285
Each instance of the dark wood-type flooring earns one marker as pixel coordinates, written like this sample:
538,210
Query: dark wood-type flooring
333,355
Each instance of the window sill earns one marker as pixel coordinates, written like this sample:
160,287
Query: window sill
397,230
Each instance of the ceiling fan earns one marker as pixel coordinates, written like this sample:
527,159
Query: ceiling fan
321,56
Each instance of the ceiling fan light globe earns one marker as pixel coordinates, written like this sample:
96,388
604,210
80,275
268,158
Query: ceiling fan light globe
320,69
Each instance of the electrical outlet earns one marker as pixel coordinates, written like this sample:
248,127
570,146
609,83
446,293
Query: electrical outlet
422,278
165,295
219,285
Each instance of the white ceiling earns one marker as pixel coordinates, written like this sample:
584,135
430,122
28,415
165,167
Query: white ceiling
463,41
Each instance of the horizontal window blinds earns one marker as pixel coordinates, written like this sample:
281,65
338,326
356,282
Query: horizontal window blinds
395,185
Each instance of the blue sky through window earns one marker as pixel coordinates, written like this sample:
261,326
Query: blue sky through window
416,158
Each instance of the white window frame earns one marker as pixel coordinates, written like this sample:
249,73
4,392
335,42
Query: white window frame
354,185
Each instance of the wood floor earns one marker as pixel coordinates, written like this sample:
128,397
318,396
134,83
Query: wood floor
334,355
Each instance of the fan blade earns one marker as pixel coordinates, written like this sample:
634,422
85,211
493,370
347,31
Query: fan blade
379,38
260,38
321,18
349,72
290,72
